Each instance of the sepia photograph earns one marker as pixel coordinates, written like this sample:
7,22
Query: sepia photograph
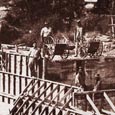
57,57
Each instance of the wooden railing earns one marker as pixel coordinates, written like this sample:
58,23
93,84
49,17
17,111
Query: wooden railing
12,83
17,63
46,94
43,96
99,101
7,98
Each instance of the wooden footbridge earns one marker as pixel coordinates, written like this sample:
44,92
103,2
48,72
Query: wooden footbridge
35,96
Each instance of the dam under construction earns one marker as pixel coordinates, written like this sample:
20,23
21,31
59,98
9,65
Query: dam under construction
23,94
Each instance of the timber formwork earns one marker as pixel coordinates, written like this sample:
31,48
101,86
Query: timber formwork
44,97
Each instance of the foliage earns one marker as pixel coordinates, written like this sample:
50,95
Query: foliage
26,15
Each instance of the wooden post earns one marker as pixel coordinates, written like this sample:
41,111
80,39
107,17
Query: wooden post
112,27
109,101
40,68
20,85
27,61
9,63
4,79
15,63
16,48
44,63
21,60
9,83
44,68
14,85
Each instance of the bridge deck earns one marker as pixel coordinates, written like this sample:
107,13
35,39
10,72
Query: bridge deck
4,108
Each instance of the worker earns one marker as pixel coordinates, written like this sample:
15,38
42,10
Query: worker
34,54
45,32
97,82
78,36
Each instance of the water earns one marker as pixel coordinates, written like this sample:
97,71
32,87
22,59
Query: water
104,67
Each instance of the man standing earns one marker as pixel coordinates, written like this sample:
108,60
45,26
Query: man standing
45,32
98,82
78,37
34,55
80,79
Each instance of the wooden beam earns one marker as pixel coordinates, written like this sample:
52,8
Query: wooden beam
49,104
47,99
37,99
66,94
20,96
76,59
8,96
93,105
63,107
109,101
112,28
108,112
95,92
28,99
33,85
69,110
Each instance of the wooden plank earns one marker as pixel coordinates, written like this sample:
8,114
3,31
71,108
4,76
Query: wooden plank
14,84
71,110
33,85
108,112
93,105
57,95
28,77
95,92
51,92
6,58
39,89
76,59
9,83
43,102
27,60
3,81
8,95
20,108
9,61
20,84
33,102
26,82
28,99
21,60
66,94
16,102
63,107
15,63
109,101
43,110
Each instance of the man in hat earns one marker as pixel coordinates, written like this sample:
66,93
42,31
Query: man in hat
97,82
80,79
45,32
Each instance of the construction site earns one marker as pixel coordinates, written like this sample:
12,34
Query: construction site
64,75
